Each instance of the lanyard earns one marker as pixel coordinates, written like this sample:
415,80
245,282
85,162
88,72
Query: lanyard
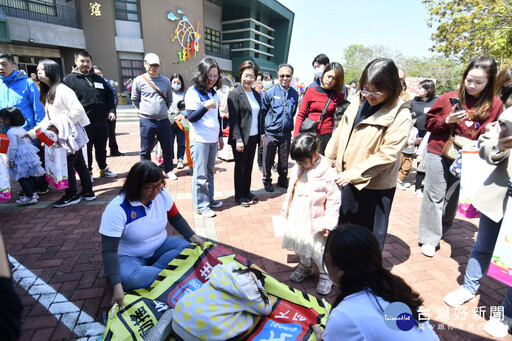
201,96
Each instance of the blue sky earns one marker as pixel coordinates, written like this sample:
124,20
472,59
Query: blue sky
329,26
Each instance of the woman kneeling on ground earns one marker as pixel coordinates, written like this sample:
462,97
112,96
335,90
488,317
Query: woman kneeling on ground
135,245
372,304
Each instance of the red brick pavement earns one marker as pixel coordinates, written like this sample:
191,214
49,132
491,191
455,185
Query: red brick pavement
62,247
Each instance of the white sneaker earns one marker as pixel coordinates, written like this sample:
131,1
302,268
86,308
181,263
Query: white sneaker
458,297
180,164
207,212
419,193
400,186
107,173
171,176
428,250
497,328
24,200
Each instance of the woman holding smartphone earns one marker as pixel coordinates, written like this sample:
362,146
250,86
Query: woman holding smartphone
478,106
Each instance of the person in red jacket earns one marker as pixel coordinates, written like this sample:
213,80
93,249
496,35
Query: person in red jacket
315,100
479,107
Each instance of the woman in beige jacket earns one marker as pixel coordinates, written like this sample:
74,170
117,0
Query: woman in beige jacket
367,146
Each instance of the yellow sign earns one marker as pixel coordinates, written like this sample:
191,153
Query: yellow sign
94,7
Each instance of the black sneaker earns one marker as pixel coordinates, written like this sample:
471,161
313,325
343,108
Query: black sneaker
89,196
116,153
283,184
67,201
43,190
268,187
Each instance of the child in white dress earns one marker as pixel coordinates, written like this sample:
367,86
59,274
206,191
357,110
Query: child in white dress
311,208
24,163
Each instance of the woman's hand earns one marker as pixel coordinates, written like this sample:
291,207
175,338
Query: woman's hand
342,180
178,118
504,140
197,240
221,142
111,116
210,104
240,146
456,116
117,295
319,332
11,164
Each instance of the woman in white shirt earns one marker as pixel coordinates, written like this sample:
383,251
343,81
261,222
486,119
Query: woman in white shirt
61,104
373,304
244,105
202,103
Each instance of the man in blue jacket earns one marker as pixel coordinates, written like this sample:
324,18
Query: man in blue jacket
97,99
17,90
278,107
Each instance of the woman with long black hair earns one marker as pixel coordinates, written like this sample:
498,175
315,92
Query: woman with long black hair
61,104
368,293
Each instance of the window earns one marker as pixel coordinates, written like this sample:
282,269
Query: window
131,69
127,10
211,40
37,6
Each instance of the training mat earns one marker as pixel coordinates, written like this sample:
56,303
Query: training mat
292,317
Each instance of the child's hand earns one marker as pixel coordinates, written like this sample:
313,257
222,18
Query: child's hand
319,331
325,232
11,164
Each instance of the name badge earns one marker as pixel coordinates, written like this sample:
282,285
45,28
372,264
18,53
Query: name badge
277,97
98,85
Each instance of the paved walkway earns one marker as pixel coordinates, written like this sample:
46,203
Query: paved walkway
66,295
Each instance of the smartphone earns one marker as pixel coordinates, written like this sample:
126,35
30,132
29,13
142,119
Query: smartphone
456,100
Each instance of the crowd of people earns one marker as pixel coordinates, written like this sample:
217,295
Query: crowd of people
352,146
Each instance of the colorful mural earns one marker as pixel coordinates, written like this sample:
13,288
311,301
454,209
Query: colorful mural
186,35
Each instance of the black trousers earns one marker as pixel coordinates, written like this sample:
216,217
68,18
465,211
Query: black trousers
112,143
367,207
77,162
324,139
243,167
271,144
28,185
98,135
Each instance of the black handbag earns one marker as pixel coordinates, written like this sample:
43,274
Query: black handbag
310,126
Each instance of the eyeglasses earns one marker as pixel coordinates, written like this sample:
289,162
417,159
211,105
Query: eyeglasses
248,77
285,76
154,66
213,76
157,187
375,94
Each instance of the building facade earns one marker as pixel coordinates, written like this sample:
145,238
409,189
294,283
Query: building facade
118,33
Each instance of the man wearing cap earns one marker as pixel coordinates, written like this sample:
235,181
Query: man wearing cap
152,95
97,99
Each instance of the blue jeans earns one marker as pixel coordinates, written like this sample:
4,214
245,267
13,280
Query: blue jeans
161,130
180,136
480,258
138,272
203,156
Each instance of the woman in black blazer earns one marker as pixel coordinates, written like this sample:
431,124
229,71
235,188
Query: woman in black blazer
244,106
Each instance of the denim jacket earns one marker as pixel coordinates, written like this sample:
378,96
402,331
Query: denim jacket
278,111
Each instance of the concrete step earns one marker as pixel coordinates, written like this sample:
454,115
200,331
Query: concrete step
127,113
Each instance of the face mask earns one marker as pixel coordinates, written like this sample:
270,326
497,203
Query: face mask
176,87
319,71
266,84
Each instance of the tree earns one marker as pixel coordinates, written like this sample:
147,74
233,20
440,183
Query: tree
471,28
356,57
446,72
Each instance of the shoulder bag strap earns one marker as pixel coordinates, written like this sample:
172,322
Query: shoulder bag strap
155,88
325,108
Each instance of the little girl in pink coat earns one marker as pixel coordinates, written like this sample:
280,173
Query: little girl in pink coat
311,208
